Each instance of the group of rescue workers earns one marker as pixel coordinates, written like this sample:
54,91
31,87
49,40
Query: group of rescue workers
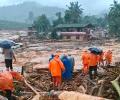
92,61
61,67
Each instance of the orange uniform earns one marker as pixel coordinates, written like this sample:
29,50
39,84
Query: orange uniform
6,80
85,61
108,57
93,59
93,65
100,58
56,67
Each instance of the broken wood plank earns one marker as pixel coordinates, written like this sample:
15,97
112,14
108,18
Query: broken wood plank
30,87
101,89
37,96
116,85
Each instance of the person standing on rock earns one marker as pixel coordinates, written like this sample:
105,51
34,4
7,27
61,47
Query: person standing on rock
56,67
9,56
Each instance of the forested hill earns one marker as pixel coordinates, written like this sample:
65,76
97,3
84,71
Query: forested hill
20,12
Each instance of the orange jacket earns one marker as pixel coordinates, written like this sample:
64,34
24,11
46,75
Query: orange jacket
56,67
100,57
6,80
93,59
85,58
108,56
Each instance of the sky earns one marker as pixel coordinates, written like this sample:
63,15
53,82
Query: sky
91,5
62,3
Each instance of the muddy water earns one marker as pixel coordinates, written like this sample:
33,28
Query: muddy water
41,56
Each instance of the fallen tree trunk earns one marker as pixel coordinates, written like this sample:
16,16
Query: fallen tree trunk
37,96
116,85
101,89
78,96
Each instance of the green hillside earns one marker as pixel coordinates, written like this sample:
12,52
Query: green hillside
12,25
20,12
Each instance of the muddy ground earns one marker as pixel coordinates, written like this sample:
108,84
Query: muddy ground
36,55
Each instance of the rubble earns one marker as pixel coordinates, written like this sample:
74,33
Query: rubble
40,80
34,57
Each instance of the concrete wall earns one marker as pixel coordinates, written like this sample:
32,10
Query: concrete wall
81,38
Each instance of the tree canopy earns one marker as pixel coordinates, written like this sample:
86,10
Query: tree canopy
114,19
73,13
97,21
42,24
59,19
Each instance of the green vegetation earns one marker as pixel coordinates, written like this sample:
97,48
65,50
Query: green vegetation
24,12
12,25
97,21
21,12
73,16
42,25
59,19
114,19
54,35
74,13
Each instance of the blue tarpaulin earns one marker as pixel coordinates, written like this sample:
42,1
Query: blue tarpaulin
68,68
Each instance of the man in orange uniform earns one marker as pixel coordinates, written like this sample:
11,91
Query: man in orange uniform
6,82
56,67
93,61
108,57
85,61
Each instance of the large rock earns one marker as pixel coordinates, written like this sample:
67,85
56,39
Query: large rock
3,98
78,96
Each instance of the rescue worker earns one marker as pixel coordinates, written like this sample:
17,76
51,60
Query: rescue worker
6,82
56,68
85,61
67,75
108,57
9,56
93,61
101,59
72,61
